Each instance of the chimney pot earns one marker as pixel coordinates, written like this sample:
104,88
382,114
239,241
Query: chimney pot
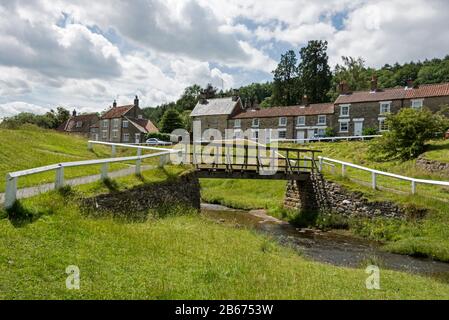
410,84
114,104
74,113
136,101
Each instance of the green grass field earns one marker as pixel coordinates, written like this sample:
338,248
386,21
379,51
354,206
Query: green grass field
31,147
181,256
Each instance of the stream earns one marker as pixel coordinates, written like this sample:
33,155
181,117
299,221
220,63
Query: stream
331,247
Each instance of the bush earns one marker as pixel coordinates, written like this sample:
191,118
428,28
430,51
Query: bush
370,132
410,129
158,135
330,132
171,120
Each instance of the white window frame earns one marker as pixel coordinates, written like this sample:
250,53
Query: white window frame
115,133
282,121
105,123
342,107
382,121
140,117
347,124
104,134
237,134
126,137
317,132
135,136
301,123
420,101
255,134
284,131
255,123
321,116
383,104
125,124
237,123
115,123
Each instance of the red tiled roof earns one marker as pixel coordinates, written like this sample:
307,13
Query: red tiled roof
146,124
117,112
291,111
423,91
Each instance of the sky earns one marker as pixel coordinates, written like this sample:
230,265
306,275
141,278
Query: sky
84,54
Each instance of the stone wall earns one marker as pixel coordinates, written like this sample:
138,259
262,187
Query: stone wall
183,191
343,202
432,166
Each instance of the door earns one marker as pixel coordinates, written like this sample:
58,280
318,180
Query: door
300,135
137,137
358,128
311,134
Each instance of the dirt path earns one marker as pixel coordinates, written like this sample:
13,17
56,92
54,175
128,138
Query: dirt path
33,191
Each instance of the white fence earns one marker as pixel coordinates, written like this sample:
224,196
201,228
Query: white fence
332,139
12,177
375,173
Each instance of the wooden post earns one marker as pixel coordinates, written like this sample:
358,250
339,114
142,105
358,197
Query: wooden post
104,171
374,180
11,191
138,162
113,151
59,183
413,187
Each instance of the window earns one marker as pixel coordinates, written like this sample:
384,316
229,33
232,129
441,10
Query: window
301,121
126,137
282,134
238,134
383,126
385,107
139,116
344,110
255,134
105,123
321,119
321,133
255,122
104,134
344,126
125,123
282,121
237,123
79,124
137,137
115,123
114,133
417,104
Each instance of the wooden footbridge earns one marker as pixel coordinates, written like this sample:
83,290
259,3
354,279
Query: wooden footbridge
218,160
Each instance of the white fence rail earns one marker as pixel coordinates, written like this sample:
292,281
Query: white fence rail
375,173
332,139
12,177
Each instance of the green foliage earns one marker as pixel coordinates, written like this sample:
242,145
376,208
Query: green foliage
171,120
267,103
330,132
50,120
285,81
314,71
158,135
409,130
370,131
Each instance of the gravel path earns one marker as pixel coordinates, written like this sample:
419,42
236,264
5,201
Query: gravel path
33,191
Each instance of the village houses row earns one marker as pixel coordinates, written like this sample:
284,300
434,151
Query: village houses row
349,115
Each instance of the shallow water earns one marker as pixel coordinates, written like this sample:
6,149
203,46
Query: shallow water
331,247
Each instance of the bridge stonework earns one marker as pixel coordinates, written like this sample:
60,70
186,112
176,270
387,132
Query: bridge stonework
300,195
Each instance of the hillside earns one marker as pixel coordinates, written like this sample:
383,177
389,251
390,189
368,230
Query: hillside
30,147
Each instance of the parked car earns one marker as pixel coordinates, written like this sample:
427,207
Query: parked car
157,142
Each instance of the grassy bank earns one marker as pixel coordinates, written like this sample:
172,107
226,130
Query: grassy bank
427,237
30,147
180,256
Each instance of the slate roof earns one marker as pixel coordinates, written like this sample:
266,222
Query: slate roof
220,106
86,119
422,91
291,111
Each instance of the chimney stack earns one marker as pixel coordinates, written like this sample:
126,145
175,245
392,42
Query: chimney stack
374,83
136,102
410,84
235,95
114,104
305,100
74,113
343,87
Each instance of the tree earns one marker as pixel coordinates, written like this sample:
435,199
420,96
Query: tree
189,98
285,82
409,130
314,71
210,91
171,120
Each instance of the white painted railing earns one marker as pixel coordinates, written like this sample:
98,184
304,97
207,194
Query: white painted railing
318,139
375,173
12,177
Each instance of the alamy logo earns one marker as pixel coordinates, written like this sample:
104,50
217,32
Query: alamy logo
373,281
73,280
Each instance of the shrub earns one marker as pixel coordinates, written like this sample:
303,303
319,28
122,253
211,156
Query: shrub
330,132
370,131
171,120
409,130
158,135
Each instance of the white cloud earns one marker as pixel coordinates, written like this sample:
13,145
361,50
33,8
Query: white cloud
12,108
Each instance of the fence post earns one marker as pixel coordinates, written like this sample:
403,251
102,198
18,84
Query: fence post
413,187
139,161
343,170
89,146
374,180
113,151
162,161
59,183
320,167
104,171
11,191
